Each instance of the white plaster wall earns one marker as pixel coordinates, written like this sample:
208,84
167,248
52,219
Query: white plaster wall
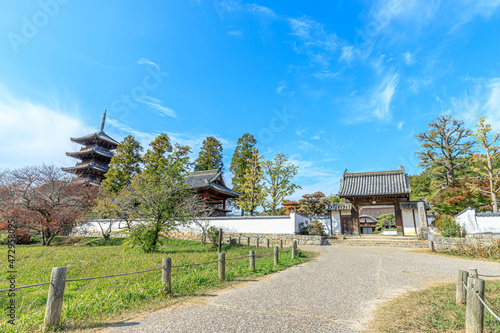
467,220
488,223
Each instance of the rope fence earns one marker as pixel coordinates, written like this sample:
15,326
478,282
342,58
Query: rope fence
58,278
470,291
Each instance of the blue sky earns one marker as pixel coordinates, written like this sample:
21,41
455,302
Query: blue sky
332,84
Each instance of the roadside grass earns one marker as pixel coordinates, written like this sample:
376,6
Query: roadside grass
94,303
433,310
455,254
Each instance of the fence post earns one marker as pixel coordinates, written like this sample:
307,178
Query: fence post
222,266
230,240
55,297
474,308
166,274
239,239
276,255
219,246
267,242
461,294
257,242
473,272
294,249
252,260
432,246
248,241
281,244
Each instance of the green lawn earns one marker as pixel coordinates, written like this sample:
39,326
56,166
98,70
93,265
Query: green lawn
93,303
433,310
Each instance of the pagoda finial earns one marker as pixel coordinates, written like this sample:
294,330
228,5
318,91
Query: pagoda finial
103,121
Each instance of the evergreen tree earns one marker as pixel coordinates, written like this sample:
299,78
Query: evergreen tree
241,157
279,175
210,156
155,159
445,148
124,165
251,189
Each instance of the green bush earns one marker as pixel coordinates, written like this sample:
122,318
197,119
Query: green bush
447,226
314,228
213,236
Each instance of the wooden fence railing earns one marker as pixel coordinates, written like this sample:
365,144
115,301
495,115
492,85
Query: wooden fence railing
58,279
470,290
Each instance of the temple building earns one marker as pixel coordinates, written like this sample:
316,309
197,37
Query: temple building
94,156
210,185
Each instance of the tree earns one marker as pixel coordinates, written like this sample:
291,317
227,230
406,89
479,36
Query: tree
445,148
386,221
124,165
210,156
313,204
454,199
49,200
241,157
251,189
485,168
161,203
421,186
200,213
155,160
278,176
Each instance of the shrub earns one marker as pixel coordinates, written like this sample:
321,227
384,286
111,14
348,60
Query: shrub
316,228
477,250
213,236
447,226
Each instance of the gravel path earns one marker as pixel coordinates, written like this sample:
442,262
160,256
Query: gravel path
336,293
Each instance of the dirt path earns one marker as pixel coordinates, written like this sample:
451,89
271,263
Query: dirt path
336,293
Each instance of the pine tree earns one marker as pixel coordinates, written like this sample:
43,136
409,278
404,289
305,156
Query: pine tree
210,156
239,162
155,159
124,165
251,189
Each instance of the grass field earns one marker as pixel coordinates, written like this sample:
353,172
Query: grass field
433,310
93,303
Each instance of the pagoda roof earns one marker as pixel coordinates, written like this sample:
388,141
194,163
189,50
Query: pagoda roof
210,179
86,152
95,137
392,183
90,167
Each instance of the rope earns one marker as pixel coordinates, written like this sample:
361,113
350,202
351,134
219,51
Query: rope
465,286
487,307
265,255
31,285
237,258
493,276
203,263
108,276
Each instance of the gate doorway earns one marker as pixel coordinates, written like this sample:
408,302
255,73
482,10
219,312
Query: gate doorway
346,225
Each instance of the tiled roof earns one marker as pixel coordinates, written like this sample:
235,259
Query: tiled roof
78,154
209,179
338,206
382,183
96,136
86,167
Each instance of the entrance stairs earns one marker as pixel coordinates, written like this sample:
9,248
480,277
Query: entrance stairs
376,240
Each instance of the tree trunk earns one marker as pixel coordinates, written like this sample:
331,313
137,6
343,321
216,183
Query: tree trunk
494,201
49,239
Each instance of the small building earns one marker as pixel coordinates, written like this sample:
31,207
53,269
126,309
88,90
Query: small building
94,156
382,188
367,224
210,185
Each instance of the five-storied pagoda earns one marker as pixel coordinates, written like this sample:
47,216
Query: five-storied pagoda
95,156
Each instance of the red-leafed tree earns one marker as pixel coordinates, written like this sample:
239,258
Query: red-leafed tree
45,199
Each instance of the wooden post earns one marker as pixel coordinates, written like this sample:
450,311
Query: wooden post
281,244
230,240
474,309
257,242
473,272
432,247
276,255
294,249
252,260
248,241
239,239
166,274
222,266
267,242
220,241
355,219
399,218
55,297
461,294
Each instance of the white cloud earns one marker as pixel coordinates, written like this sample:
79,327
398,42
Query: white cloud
376,104
400,125
32,133
408,58
236,33
156,104
281,87
347,54
483,99
144,61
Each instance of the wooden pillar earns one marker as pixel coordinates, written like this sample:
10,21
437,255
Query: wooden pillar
355,219
342,231
224,204
399,218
